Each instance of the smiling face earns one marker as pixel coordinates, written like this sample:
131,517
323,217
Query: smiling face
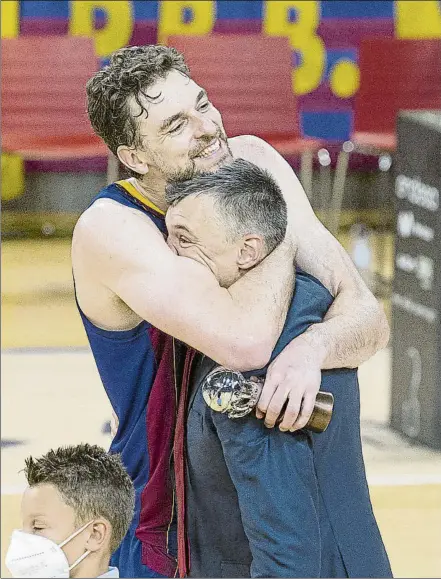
182,133
197,231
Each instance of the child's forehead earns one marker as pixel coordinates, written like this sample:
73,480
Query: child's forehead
44,499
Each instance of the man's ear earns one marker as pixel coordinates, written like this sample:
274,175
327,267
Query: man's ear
251,251
100,535
133,159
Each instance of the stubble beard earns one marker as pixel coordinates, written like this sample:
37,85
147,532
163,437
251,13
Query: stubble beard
191,170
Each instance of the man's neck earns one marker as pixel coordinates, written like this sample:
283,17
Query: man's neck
153,188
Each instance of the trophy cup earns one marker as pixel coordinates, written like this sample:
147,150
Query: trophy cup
231,393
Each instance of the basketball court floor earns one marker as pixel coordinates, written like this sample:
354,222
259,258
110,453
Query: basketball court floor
52,396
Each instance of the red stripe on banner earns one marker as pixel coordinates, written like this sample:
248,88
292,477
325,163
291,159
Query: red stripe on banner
323,100
144,32
95,165
252,26
43,26
348,32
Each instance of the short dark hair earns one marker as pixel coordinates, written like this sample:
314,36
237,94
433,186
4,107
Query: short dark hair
91,481
130,73
247,198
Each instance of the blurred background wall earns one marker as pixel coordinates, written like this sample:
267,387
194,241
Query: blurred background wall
324,36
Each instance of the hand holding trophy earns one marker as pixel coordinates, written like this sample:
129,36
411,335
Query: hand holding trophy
230,392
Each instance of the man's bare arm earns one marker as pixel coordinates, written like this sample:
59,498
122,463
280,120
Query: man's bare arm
355,326
238,327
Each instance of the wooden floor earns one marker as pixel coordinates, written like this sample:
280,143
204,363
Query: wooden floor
52,395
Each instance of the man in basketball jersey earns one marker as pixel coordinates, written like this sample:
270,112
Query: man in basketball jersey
134,293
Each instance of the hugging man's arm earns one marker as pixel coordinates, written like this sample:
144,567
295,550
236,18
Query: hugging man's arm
355,326
127,259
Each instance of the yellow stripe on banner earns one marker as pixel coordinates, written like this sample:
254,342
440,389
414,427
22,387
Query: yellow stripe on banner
417,20
12,175
10,19
133,191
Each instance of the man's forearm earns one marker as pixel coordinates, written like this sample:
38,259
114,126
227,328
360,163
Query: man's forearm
354,328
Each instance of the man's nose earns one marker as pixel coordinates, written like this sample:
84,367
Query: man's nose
205,127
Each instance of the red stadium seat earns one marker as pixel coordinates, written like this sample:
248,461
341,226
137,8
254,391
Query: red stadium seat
394,75
43,98
248,78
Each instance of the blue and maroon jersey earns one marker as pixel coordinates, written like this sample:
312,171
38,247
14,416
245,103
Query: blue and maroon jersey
137,370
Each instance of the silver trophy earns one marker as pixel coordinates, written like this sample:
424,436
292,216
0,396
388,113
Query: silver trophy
231,393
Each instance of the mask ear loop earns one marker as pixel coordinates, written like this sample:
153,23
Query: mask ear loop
84,555
78,561
80,530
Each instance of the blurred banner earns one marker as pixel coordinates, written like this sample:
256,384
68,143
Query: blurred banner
416,298
324,36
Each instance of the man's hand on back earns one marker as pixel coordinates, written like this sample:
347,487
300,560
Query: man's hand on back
293,379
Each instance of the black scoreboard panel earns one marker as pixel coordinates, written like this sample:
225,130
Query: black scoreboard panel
416,296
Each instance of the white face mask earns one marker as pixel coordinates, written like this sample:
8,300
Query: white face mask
35,556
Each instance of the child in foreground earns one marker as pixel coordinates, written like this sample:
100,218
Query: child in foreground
75,512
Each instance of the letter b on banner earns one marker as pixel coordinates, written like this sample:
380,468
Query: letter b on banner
118,27
185,18
298,20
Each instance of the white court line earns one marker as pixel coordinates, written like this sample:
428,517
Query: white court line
399,480
41,350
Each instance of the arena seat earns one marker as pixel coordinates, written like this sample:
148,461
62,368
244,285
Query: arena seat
394,75
249,79
43,98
